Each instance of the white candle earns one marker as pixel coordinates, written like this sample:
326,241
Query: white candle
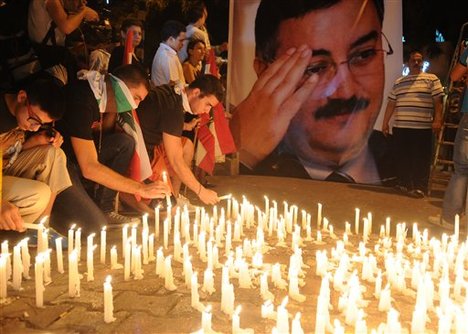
3,277
17,267
282,317
138,271
160,263
133,235
73,274
387,227
168,198
6,253
156,222
71,238
195,298
208,281
47,269
124,238
356,221
25,258
127,260
144,240
166,232
236,320
59,254
42,238
187,271
457,226
319,215
103,245
168,276
206,320
113,258
78,244
108,301
296,324
268,310
39,283
151,257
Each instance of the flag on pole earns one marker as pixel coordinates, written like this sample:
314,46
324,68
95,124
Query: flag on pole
140,165
214,138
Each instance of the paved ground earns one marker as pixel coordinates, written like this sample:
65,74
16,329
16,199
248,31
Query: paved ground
145,306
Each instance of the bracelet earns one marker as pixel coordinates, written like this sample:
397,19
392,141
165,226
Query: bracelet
199,189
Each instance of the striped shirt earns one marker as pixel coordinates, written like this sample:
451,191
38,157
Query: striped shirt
413,96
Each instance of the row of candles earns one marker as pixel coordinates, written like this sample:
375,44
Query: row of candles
218,230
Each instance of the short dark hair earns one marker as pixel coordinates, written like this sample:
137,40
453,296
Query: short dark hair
133,75
208,85
171,28
193,42
127,23
195,11
48,95
271,13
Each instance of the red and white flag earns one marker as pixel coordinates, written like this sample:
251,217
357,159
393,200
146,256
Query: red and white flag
214,138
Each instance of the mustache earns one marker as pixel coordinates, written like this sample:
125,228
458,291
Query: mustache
336,107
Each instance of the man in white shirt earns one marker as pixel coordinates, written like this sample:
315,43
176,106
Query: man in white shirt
166,66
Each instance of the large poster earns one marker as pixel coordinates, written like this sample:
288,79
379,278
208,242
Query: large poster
307,84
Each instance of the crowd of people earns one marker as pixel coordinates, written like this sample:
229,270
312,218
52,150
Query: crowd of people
310,114
68,138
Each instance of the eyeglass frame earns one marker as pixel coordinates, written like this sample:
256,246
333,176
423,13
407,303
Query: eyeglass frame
33,119
348,61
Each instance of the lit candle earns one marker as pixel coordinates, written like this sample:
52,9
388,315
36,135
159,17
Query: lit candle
168,276
59,253
160,263
78,244
39,283
296,324
151,257
25,258
6,253
319,215
124,237
42,238
103,245
356,221
108,300
73,274
144,239
113,257
17,268
3,277
156,222
47,276
166,232
282,317
138,271
457,226
127,260
71,238
385,301
168,198
187,271
195,298
208,281
387,227
206,320
133,235
268,310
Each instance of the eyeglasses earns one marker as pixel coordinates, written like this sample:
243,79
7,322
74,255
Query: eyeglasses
360,63
33,119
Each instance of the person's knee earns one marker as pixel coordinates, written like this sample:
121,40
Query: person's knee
32,207
54,155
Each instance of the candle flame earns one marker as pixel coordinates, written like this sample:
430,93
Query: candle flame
108,279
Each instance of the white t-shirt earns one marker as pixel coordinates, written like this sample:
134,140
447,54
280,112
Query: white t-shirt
39,22
166,66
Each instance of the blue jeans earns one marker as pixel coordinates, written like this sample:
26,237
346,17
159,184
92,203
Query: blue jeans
455,199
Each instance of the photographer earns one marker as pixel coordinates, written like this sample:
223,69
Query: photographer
49,22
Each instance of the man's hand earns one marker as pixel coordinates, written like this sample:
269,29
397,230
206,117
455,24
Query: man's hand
260,122
156,189
385,129
208,196
436,126
10,218
44,138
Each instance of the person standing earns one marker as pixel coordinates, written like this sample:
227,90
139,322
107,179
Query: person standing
117,56
166,66
416,102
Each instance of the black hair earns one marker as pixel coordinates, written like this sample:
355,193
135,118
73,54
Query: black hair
208,85
171,28
48,95
127,23
193,42
195,11
271,13
133,75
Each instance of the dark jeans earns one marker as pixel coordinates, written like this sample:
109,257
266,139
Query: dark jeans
413,149
116,153
75,206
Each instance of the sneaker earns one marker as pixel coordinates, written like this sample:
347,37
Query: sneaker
116,219
416,193
401,189
183,201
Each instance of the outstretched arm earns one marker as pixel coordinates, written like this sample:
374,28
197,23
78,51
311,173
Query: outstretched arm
68,23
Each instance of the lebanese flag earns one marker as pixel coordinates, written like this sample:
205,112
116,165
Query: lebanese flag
140,165
215,138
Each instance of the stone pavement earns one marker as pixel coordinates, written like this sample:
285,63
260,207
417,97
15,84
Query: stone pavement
145,306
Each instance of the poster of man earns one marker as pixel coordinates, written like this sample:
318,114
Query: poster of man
313,109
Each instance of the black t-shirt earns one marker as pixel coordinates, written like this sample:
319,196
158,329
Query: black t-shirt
116,59
7,120
161,111
81,112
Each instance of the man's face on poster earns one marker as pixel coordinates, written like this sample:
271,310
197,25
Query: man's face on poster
335,122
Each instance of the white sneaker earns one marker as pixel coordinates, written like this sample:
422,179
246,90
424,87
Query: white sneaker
183,202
